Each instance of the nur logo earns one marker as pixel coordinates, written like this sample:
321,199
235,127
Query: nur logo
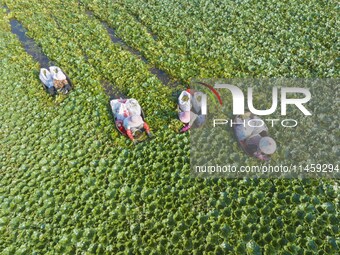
239,99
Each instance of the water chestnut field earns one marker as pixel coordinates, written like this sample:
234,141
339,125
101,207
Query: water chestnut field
71,184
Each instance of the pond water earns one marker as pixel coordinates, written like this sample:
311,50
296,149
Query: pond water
33,49
30,46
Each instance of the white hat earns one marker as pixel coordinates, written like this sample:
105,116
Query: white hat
135,121
59,76
267,145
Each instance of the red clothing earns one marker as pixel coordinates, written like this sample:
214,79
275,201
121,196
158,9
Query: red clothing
130,135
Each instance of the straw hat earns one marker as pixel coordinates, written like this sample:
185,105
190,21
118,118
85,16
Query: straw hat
135,121
267,145
184,116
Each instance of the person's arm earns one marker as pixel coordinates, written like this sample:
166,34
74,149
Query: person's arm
128,129
146,127
130,135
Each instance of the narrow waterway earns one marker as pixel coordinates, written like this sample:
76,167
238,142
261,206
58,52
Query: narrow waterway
30,46
160,74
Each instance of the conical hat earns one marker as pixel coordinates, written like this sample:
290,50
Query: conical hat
267,145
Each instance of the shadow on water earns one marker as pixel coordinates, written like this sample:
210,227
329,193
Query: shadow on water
161,75
31,47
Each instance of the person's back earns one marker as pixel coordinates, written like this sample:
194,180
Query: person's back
133,107
252,143
121,111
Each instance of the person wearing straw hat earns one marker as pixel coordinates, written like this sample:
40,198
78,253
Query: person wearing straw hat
254,137
133,123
